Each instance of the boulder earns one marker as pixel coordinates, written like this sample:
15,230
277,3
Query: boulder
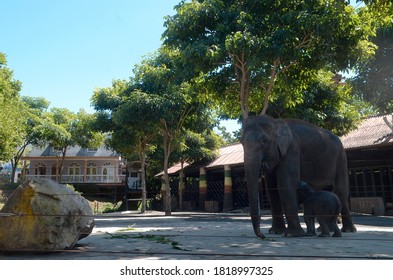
43,215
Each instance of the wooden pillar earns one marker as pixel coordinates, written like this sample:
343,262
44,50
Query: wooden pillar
228,196
202,188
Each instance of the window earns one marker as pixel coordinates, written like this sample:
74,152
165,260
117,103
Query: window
91,171
108,172
40,169
74,171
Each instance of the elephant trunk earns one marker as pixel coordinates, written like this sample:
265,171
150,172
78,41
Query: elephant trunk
253,170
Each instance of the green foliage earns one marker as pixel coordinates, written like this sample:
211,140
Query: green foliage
327,103
11,113
63,129
258,51
373,81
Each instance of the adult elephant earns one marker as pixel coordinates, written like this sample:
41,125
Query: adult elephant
288,151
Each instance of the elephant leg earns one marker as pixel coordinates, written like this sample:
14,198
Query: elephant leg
336,230
287,187
341,189
278,223
310,223
324,225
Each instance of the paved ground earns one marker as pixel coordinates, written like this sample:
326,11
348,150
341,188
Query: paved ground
194,236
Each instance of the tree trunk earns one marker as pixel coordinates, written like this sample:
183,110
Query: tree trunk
15,161
63,151
181,185
14,165
143,180
167,151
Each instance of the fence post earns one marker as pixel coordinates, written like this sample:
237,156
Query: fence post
202,188
228,195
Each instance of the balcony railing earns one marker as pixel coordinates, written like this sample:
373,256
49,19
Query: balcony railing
83,178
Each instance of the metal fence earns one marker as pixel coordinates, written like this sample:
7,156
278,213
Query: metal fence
215,191
372,182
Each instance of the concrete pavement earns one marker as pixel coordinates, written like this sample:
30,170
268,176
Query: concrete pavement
201,236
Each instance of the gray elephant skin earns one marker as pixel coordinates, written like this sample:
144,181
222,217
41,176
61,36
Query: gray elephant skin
288,151
323,205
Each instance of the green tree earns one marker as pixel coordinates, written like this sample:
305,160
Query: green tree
139,118
178,108
328,103
131,118
256,51
155,102
34,109
11,113
63,129
373,80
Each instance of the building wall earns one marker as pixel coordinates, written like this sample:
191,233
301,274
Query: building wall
77,170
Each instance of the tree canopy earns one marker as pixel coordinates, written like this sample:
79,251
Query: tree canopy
157,102
252,52
373,81
11,113
63,129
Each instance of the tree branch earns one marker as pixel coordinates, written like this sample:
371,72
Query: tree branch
270,86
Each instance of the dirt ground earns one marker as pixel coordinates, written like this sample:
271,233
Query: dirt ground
202,236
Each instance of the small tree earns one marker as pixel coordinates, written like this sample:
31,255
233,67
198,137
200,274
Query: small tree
63,129
137,117
34,109
178,107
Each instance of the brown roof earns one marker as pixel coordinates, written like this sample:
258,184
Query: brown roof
373,131
229,155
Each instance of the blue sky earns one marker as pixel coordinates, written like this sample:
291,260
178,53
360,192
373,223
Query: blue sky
63,50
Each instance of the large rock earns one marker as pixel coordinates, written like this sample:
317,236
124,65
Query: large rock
45,216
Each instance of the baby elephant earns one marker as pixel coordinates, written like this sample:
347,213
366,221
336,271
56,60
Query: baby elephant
323,205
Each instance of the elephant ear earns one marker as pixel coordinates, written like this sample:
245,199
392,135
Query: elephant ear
284,137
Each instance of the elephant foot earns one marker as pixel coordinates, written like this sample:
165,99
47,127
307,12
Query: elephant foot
309,233
277,230
295,232
278,226
337,234
349,228
324,235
